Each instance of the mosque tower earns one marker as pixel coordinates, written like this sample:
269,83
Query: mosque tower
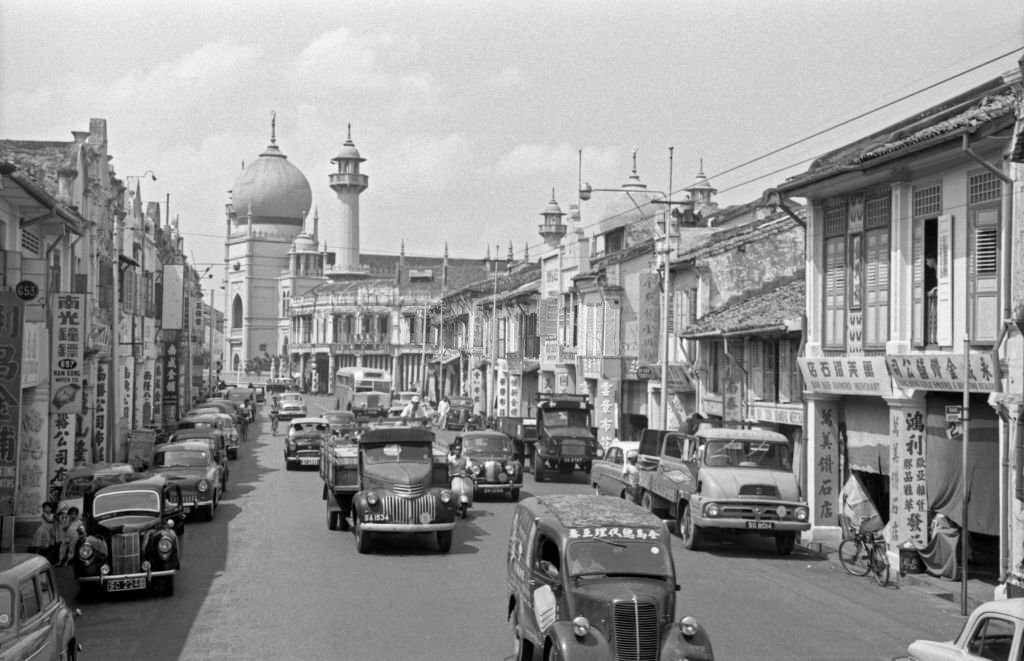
342,238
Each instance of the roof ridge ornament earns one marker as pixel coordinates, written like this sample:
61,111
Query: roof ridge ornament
273,127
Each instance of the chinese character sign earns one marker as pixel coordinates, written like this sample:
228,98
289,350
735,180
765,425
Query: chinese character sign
826,467
66,366
32,454
12,325
102,413
944,371
649,319
170,380
607,411
908,478
62,439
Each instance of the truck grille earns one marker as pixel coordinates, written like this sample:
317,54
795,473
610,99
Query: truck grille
408,490
124,553
765,512
763,490
573,448
405,510
636,631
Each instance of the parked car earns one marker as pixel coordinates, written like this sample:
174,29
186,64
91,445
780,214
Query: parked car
491,460
403,487
78,479
994,630
233,439
302,448
606,472
291,405
245,398
131,541
217,445
592,577
339,469
191,466
35,621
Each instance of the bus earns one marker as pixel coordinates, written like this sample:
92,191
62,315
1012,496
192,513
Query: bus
350,380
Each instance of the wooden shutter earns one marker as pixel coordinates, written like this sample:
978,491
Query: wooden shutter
944,279
768,369
984,260
756,374
835,292
917,326
876,276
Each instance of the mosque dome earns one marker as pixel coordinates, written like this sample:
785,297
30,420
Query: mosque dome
304,242
631,209
275,190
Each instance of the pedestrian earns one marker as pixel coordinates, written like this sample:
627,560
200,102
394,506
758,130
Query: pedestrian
44,541
412,409
631,474
72,525
443,407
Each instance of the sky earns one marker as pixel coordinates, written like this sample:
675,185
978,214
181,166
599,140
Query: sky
470,112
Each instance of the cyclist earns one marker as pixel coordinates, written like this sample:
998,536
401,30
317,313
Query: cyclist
273,421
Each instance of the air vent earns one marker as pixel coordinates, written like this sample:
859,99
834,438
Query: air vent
30,242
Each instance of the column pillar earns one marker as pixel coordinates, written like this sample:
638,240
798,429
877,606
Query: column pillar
908,473
824,480
1010,408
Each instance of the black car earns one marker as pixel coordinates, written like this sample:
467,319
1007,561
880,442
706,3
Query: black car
303,449
132,537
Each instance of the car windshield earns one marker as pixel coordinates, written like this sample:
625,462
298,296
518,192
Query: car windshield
574,418
338,418
75,487
309,426
196,424
181,458
486,444
126,501
391,453
606,556
367,400
6,608
748,454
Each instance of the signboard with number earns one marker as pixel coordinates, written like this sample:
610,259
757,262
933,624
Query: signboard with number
67,364
26,290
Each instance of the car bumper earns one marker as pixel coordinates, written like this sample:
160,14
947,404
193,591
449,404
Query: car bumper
197,502
406,527
303,460
114,577
497,487
752,525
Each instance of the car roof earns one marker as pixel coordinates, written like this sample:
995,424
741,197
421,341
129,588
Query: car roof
1010,607
190,445
577,511
308,420
396,435
715,433
22,564
484,433
145,481
100,469
204,417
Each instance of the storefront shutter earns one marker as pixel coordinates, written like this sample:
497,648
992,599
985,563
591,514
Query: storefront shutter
835,292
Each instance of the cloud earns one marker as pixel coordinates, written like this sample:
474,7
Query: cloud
427,162
531,159
509,77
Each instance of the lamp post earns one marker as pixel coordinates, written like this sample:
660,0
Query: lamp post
493,367
665,252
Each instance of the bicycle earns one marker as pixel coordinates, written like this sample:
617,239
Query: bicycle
865,553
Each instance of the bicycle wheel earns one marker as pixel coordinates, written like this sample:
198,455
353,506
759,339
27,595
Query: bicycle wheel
853,557
880,564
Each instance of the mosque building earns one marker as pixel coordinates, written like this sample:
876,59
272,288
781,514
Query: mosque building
302,300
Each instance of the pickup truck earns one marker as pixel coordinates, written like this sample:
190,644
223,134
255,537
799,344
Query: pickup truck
723,480
565,440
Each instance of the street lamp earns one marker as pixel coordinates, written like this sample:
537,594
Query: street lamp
685,208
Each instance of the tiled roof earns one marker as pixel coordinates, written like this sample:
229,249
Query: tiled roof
964,113
775,306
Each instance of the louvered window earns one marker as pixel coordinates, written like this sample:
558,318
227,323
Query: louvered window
984,269
755,350
835,293
769,370
30,243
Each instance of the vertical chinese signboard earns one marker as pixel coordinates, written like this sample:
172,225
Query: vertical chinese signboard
102,415
66,381
826,466
649,320
606,412
170,385
908,483
11,334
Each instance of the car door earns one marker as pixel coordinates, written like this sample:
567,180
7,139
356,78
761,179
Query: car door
50,612
607,482
674,470
34,630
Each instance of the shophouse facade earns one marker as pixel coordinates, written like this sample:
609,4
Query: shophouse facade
908,285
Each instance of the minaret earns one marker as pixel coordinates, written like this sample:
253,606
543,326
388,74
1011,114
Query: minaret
342,237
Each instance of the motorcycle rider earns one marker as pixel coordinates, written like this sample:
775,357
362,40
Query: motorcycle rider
461,478
273,421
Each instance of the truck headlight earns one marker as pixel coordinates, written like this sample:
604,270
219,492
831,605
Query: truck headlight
510,469
800,513
475,469
445,496
580,626
165,545
372,498
688,626
711,510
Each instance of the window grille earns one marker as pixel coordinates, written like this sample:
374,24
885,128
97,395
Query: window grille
927,201
983,187
30,242
877,209
835,217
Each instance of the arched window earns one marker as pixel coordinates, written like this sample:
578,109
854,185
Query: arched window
236,312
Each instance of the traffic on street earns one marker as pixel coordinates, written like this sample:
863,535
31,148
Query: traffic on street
267,578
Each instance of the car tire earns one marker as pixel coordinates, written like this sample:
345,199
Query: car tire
539,470
207,512
323,495
444,540
89,592
521,649
363,541
597,490
690,532
648,500
332,519
288,465
71,651
164,585
784,542
513,494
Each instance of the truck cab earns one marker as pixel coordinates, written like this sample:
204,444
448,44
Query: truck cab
565,441
722,481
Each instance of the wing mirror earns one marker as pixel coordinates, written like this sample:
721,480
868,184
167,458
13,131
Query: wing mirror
599,453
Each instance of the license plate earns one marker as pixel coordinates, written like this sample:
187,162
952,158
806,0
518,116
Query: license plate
761,525
309,461
377,517
125,584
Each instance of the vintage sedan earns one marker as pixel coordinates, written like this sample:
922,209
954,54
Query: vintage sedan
606,476
291,405
994,630
491,460
233,439
132,537
191,466
35,621
302,448
218,446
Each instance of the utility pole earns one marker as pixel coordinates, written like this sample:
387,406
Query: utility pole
493,368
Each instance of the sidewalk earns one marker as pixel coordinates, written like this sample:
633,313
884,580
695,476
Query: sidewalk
980,588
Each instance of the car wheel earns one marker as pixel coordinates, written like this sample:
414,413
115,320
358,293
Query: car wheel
164,585
444,540
539,472
89,592
324,493
70,652
690,531
597,490
288,465
648,503
362,537
207,512
520,649
232,454
513,494
332,519
784,543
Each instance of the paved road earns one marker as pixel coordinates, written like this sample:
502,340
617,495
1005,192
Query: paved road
266,579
